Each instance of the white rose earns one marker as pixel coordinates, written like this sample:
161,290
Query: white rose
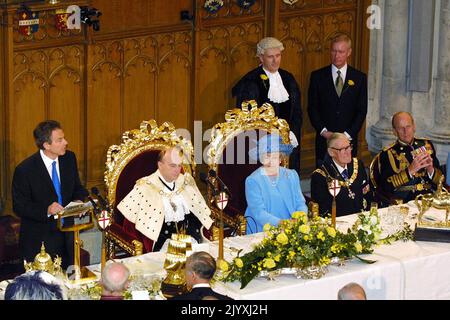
373,220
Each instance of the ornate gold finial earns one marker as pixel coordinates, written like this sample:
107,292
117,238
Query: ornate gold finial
43,262
180,246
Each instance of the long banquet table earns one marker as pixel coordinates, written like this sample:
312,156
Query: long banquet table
404,270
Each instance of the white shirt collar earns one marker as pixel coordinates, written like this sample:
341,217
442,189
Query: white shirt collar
48,163
201,285
334,70
339,167
170,184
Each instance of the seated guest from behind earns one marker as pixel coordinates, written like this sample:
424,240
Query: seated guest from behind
273,192
352,291
409,166
114,281
351,176
166,202
200,269
35,285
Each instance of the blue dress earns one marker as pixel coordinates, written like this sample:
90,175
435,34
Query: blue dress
271,201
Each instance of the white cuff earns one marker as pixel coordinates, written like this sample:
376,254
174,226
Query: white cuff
431,175
348,136
323,130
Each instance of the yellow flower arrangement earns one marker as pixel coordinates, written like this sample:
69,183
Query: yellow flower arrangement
223,265
302,243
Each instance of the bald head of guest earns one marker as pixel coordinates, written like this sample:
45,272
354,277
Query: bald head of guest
352,291
114,278
200,268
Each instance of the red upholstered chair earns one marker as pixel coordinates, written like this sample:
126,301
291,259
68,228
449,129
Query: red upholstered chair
228,156
135,158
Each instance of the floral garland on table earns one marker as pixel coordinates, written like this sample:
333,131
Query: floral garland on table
301,243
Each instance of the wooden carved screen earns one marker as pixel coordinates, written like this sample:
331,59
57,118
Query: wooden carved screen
145,62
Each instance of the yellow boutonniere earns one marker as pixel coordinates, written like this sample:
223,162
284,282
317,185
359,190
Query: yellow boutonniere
351,83
263,77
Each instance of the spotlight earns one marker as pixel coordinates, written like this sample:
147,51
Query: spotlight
88,16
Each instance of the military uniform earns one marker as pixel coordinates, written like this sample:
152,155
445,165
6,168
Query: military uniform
353,195
395,180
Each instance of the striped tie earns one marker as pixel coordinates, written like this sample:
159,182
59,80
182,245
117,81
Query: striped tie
339,83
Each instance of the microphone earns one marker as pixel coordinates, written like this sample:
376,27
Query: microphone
103,202
204,178
94,205
223,186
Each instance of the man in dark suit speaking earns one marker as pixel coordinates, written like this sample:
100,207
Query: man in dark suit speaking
337,98
42,185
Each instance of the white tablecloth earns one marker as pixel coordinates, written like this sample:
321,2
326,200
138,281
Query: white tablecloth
404,270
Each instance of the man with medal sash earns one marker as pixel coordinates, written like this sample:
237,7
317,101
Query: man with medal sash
339,165
166,202
409,166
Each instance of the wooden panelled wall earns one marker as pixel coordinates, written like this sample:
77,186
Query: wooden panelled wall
146,63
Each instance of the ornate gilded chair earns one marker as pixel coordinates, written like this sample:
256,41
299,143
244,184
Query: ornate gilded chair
133,159
228,156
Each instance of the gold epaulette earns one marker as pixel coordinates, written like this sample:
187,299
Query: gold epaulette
389,146
320,171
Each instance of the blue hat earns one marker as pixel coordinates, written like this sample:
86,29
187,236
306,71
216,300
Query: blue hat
269,144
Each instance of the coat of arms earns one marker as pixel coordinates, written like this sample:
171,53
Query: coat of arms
28,22
104,219
61,17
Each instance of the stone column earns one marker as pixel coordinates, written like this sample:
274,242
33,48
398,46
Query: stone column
393,88
440,132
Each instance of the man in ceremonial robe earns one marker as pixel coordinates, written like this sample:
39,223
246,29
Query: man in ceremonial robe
269,83
166,202
350,175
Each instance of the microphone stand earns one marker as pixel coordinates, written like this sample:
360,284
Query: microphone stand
220,199
333,202
103,216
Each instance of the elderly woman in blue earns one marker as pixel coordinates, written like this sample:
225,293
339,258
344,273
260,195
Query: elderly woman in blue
273,192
